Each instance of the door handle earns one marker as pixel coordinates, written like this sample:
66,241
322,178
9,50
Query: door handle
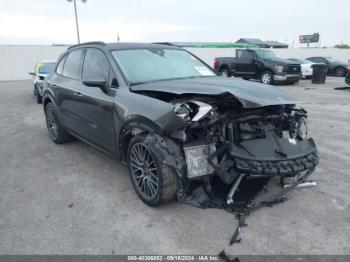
53,85
78,94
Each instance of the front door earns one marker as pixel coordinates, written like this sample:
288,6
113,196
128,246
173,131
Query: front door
246,65
95,107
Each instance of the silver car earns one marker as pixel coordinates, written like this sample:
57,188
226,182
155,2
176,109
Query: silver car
41,70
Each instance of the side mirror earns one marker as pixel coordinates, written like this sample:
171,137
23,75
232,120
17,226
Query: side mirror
254,60
31,73
97,81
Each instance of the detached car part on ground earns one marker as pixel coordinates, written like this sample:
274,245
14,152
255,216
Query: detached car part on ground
176,125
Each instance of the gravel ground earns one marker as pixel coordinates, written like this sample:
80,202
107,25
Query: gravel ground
73,199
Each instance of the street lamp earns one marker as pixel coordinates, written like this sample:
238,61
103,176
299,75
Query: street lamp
76,16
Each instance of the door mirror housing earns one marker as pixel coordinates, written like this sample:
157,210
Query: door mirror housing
32,73
97,81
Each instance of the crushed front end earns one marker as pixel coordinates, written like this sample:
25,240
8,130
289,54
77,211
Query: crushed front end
225,140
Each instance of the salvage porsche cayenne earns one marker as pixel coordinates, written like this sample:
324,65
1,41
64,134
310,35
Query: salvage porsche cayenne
167,116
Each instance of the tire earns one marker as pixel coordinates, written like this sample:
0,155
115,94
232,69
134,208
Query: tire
39,99
246,78
340,71
153,181
34,90
56,131
266,77
224,72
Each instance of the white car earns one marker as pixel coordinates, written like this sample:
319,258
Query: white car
306,67
41,70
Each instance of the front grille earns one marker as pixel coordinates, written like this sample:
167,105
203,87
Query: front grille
293,69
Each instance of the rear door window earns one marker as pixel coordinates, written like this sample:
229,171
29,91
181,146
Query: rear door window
72,66
59,69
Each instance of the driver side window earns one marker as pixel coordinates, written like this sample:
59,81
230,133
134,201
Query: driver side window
95,64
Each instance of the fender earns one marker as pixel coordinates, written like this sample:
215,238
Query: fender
124,133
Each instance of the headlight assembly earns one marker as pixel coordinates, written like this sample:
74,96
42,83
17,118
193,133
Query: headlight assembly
279,68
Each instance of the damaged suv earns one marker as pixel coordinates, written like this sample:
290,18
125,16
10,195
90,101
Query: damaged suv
174,123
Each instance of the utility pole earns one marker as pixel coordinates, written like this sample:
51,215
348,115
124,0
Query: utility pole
76,16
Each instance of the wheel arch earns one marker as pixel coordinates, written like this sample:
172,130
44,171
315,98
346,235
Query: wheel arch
132,127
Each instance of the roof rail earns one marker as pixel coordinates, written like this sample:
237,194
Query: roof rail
88,43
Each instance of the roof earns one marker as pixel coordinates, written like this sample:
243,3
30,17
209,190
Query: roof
275,43
253,41
121,46
261,43
208,44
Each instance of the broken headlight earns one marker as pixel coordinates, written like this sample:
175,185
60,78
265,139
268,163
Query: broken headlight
182,110
192,110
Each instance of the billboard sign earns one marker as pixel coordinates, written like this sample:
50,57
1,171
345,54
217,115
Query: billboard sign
309,38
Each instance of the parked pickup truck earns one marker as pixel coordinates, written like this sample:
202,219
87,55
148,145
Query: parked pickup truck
260,64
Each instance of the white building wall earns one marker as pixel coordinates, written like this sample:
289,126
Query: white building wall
17,61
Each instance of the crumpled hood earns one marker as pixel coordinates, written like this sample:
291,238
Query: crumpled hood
250,94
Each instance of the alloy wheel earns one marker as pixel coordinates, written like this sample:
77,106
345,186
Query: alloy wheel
144,171
340,71
51,121
266,78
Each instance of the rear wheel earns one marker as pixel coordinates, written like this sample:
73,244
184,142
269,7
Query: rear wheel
246,78
153,181
340,71
39,98
56,131
266,77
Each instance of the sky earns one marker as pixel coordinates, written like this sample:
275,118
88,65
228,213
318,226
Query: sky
52,21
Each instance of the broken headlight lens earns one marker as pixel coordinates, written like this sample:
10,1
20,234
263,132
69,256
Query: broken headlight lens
182,110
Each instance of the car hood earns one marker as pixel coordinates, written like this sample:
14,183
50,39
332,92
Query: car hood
282,61
250,94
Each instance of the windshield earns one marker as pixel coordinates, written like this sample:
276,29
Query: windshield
148,65
266,54
46,68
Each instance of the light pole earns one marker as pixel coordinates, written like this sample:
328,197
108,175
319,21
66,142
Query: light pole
76,16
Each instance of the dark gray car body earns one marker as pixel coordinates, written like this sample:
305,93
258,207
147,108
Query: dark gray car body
108,118
100,118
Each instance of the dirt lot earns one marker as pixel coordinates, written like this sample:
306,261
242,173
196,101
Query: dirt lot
73,199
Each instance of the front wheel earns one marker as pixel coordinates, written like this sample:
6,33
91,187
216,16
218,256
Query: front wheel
266,77
153,181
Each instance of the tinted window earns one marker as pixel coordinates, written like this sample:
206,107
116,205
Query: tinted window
72,65
245,56
59,69
95,63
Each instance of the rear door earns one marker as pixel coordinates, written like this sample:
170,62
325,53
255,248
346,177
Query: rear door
66,84
95,107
